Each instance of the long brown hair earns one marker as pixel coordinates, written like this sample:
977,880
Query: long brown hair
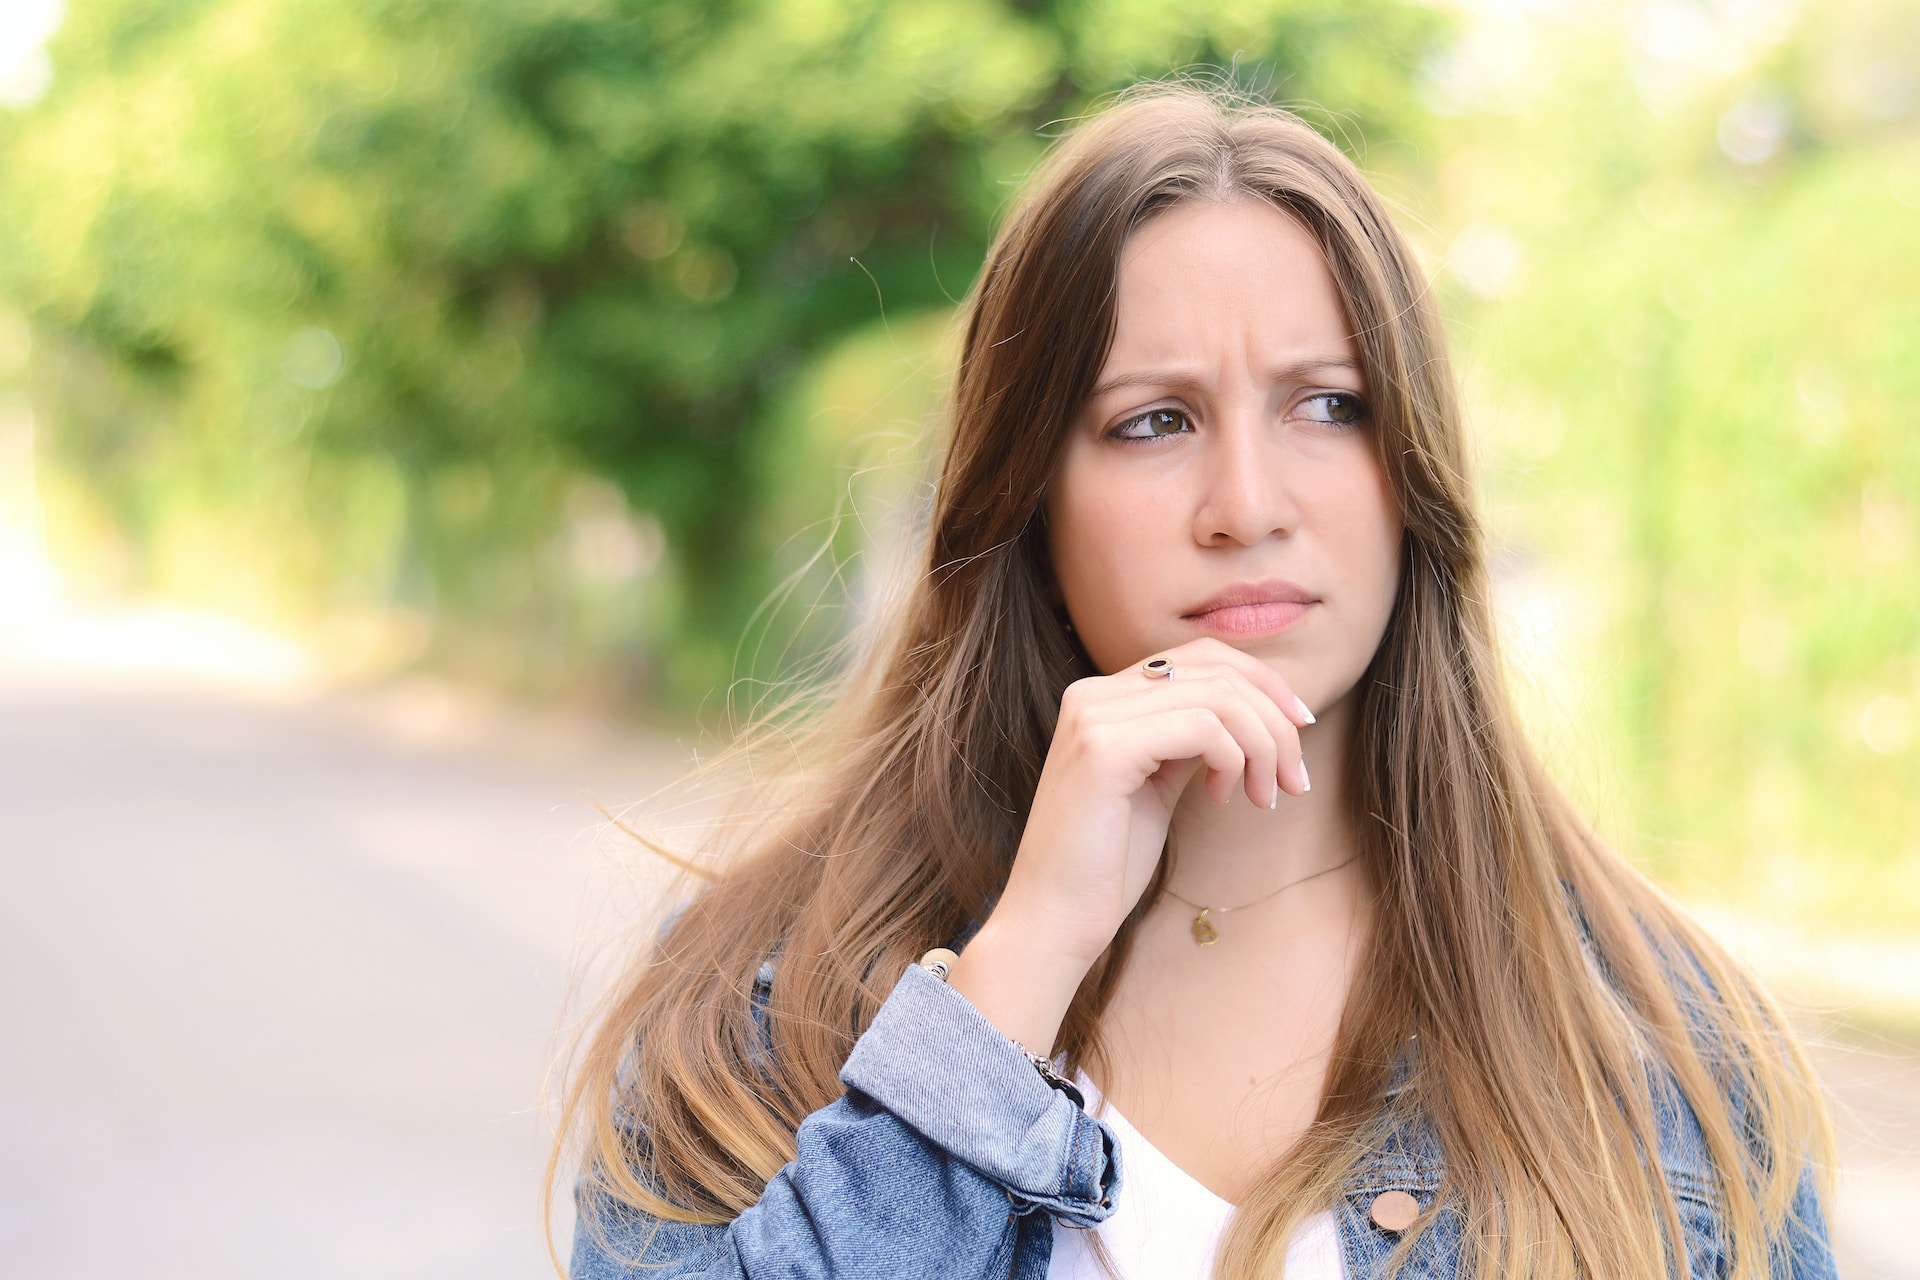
1549,983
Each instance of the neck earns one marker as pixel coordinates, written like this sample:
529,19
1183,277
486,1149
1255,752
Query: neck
1226,855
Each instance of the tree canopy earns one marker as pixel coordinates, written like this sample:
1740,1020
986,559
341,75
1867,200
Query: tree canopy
412,260
549,336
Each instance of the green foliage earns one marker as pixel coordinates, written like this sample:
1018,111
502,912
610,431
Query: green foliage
1698,398
575,331
288,247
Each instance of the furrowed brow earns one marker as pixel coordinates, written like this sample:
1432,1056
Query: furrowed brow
1145,378
1301,370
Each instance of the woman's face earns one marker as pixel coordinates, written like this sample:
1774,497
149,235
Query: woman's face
1222,479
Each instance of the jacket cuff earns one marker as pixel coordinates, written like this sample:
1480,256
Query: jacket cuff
948,1074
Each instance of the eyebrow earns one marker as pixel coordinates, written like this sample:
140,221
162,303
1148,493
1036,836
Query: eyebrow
1292,371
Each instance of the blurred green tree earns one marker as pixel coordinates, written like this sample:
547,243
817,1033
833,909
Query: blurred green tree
559,325
1685,258
353,288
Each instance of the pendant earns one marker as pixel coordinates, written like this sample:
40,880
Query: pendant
1203,931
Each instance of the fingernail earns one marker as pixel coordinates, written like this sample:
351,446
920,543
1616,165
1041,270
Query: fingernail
1275,802
1305,714
1306,783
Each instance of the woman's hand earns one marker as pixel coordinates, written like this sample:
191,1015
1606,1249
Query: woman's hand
1125,749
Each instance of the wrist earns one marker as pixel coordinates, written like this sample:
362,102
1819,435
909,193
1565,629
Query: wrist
1018,982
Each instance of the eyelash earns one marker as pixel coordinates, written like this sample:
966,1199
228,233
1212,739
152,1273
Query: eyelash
1359,419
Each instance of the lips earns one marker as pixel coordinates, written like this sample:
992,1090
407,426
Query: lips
1253,608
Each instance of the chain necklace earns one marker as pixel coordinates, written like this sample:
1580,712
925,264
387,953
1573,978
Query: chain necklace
1203,931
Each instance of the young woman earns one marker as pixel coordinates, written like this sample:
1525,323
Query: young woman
1276,946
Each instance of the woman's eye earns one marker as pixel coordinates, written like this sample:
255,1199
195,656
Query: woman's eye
1341,408
1151,425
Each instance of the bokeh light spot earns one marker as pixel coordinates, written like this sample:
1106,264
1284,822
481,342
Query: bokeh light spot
1753,129
1886,726
313,358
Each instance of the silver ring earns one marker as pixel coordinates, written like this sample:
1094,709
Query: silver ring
1157,669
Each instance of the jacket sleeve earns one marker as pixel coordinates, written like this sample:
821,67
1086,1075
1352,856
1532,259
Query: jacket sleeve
944,1141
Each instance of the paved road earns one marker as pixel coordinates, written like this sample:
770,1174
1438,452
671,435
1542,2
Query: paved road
280,979
280,975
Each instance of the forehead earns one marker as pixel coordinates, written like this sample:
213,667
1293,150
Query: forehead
1207,279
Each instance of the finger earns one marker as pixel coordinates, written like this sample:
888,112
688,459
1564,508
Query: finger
1209,651
1286,768
1191,733
1270,740
1240,708
1292,773
1266,737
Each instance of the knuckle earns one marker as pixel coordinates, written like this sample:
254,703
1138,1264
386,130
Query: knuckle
1091,735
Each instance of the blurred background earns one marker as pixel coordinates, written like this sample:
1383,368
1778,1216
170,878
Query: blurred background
422,423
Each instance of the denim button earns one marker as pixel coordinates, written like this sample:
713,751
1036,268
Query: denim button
1393,1210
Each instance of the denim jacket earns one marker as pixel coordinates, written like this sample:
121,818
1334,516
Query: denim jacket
949,1157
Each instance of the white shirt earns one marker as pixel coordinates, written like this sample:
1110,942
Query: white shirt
1167,1225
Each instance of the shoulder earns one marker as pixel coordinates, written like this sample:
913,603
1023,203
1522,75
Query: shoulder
612,1236
1798,1243
1756,1088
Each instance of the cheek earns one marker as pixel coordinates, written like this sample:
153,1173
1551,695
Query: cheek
1356,517
1376,532
1096,538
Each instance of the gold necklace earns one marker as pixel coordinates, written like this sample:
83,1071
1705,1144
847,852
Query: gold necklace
1203,931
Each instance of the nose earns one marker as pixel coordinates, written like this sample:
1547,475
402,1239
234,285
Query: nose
1247,493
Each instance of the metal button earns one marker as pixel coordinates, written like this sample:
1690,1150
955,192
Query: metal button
1393,1210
